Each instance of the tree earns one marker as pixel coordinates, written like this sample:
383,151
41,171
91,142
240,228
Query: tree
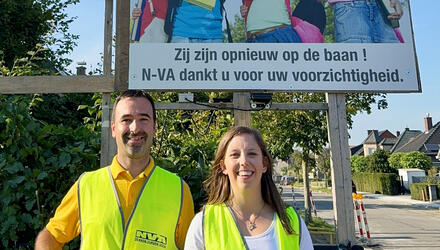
186,141
295,160
39,162
27,23
378,162
284,170
41,155
359,163
395,160
416,159
323,162
237,31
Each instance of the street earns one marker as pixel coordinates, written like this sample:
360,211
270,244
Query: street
393,223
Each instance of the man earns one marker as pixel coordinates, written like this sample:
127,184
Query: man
131,204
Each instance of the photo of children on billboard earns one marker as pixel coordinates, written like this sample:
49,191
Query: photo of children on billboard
270,21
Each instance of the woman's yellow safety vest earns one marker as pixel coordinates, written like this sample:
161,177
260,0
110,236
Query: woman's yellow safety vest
220,231
152,223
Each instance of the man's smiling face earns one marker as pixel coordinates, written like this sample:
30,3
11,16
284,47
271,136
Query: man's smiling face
133,127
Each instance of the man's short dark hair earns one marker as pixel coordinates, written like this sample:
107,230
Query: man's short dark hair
134,93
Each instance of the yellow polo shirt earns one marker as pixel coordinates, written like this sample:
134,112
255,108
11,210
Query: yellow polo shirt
65,226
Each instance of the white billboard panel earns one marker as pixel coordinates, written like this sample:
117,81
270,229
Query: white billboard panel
320,67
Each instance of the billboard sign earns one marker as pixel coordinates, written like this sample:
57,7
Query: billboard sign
349,54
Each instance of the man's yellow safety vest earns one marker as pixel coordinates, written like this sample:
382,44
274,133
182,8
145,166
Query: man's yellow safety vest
152,223
221,232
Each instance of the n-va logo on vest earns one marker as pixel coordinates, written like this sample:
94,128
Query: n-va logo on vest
151,238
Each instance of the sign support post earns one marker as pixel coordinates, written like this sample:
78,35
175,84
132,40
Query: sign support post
340,167
241,101
108,145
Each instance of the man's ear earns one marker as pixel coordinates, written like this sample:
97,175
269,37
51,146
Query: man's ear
112,125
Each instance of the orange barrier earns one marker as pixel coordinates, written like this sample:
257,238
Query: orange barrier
364,216
358,215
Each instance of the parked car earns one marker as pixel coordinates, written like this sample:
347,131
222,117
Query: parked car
276,178
287,180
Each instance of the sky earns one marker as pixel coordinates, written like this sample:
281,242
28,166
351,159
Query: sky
404,110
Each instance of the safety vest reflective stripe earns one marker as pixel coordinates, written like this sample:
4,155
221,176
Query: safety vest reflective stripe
152,223
220,231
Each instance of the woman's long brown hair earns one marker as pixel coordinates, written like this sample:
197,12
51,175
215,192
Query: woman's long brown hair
219,188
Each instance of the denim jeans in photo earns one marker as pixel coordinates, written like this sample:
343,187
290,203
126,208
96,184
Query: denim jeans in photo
361,21
282,35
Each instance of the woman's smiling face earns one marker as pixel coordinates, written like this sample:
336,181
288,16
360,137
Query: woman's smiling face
244,163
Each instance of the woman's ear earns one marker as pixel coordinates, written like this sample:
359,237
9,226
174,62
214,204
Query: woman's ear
223,167
265,164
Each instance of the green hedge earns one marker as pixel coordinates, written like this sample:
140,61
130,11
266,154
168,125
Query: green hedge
377,183
416,191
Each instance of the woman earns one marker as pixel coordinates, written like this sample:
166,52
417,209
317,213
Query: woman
244,209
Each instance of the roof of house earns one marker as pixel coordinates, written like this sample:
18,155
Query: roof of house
404,138
387,133
373,138
419,142
355,150
432,147
389,141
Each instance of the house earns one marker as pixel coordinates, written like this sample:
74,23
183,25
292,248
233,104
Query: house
427,142
404,138
409,140
377,139
357,150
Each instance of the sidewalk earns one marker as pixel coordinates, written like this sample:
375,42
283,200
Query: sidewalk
406,199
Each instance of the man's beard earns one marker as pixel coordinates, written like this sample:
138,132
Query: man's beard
138,147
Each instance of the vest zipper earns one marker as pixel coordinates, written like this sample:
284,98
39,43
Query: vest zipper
117,197
236,224
134,208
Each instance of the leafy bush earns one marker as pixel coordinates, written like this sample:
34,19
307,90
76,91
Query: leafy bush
186,145
395,160
418,190
433,171
416,159
377,183
417,193
378,162
38,164
359,163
